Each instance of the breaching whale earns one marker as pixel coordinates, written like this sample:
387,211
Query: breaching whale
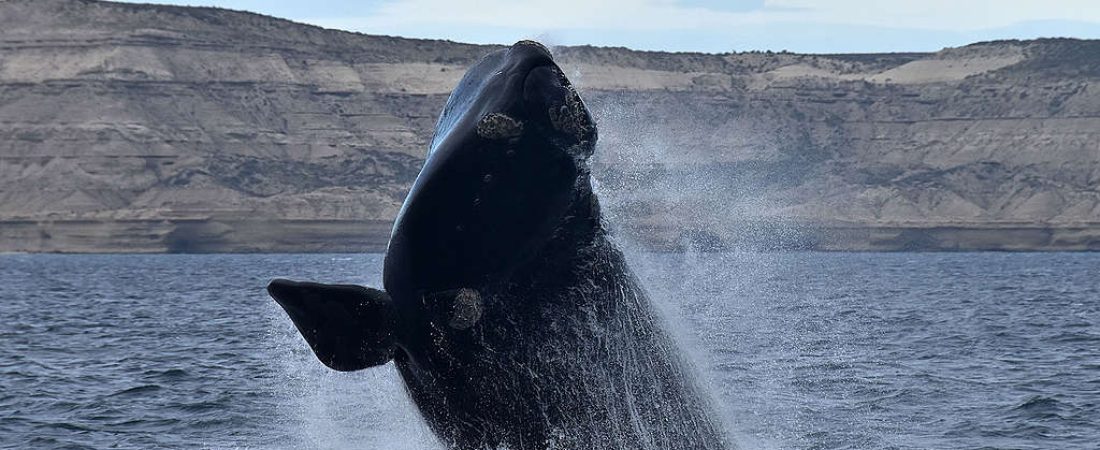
513,319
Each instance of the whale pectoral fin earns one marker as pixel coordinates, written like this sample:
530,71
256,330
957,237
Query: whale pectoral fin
348,327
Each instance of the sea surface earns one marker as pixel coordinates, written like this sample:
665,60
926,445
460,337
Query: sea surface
799,350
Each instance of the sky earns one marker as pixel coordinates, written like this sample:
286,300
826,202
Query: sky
805,26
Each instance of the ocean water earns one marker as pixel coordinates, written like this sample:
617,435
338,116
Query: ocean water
798,350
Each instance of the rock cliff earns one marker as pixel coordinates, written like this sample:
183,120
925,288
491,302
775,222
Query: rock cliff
149,128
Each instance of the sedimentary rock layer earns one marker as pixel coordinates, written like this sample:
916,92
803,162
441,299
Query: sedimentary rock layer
152,128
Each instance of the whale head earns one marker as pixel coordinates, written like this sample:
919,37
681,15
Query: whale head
506,169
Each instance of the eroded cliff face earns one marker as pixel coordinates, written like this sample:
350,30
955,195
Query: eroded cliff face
154,128
994,145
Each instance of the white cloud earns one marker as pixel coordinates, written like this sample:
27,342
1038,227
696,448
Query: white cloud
547,15
955,15
800,25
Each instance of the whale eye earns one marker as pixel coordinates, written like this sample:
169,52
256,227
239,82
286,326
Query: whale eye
465,310
460,309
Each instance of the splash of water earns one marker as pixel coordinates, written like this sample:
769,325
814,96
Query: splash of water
639,170
321,408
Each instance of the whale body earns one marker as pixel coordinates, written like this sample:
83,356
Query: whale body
511,316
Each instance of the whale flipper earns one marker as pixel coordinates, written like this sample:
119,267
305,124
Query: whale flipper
348,327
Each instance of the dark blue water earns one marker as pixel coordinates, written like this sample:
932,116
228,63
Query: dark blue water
801,350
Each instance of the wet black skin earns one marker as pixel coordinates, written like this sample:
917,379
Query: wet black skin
512,318
482,206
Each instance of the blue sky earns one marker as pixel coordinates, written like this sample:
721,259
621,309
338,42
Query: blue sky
810,26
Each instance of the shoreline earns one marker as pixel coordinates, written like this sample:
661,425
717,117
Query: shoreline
250,235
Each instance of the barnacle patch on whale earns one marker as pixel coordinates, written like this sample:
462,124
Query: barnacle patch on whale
499,126
570,117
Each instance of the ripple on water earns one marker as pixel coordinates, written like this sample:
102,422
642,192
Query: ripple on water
166,375
803,350
143,390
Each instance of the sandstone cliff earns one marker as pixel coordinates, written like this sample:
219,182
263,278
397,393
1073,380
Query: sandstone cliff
155,128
